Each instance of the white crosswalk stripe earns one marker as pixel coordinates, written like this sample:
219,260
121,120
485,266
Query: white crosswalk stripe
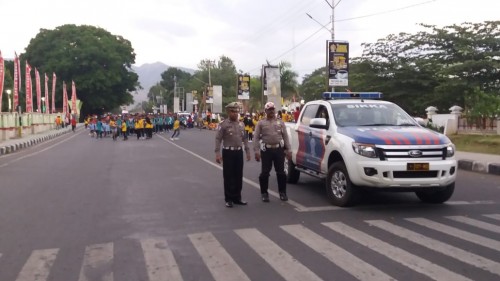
471,237
160,261
161,264
38,265
399,255
345,260
494,216
288,267
476,223
219,262
97,263
438,246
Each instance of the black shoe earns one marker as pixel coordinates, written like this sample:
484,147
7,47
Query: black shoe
283,196
240,202
265,197
229,204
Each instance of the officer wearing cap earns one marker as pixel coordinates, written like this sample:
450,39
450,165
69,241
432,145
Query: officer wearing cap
272,144
232,137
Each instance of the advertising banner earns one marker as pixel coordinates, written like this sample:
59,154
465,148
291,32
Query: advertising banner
243,87
38,88
273,85
2,75
210,95
337,63
217,98
176,104
29,92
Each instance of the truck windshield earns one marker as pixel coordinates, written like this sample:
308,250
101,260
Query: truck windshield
371,114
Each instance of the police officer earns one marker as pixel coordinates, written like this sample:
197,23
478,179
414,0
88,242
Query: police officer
271,143
232,136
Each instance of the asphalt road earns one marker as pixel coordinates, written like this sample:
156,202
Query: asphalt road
78,208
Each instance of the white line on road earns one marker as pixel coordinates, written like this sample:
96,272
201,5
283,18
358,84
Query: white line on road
345,260
397,254
438,246
97,263
284,263
493,216
160,261
464,235
476,223
219,262
38,265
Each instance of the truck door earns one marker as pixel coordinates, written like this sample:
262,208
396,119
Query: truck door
311,140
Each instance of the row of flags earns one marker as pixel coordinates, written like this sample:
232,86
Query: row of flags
38,88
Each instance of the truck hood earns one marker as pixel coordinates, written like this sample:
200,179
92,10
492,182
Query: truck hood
394,135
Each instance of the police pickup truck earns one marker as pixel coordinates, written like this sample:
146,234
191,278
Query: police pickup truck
354,141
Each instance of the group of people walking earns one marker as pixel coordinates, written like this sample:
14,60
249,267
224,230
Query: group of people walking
270,144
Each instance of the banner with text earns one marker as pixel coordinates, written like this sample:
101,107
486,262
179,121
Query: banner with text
243,87
337,63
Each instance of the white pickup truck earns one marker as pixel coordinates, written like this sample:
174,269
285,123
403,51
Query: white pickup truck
354,141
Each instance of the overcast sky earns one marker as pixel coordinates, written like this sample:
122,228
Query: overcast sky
184,32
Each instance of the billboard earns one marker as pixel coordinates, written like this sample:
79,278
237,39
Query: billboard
337,63
243,87
217,98
272,85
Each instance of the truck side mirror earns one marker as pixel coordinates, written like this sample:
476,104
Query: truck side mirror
319,123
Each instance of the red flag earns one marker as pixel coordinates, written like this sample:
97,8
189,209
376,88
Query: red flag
47,108
53,92
73,98
65,99
17,82
38,91
2,75
29,92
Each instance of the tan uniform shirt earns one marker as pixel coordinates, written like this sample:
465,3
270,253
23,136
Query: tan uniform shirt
230,133
271,131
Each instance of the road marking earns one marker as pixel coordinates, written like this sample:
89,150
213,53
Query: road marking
493,216
464,235
97,263
160,261
38,265
438,246
397,254
36,152
285,264
345,260
476,223
219,262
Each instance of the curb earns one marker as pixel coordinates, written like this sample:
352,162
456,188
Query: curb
480,167
8,149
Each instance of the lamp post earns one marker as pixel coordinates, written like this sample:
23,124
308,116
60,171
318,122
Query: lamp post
9,92
43,104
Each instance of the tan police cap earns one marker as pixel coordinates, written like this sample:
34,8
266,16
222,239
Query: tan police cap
233,106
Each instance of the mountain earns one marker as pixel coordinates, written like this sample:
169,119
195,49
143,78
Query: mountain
150,74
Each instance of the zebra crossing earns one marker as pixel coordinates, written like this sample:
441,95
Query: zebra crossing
162,262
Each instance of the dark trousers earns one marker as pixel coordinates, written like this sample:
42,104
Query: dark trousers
232,171
269,157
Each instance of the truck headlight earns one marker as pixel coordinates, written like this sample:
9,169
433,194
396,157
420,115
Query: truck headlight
450,150
366,150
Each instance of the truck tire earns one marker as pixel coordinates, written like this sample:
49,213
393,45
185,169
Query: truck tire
292,174
339,188
436,196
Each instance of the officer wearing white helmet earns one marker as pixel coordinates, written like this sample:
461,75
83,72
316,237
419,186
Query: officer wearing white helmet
272,144
231,138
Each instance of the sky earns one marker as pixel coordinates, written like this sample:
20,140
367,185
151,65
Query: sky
181,33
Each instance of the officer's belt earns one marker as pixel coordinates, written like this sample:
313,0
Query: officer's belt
232,147
273,145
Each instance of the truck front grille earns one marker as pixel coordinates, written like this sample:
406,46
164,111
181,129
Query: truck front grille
389,153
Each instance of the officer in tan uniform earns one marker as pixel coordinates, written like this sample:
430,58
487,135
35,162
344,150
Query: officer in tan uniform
232,137
272,144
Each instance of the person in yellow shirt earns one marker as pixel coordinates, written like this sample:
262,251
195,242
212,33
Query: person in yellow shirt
177,124
139,126
124,130
114,129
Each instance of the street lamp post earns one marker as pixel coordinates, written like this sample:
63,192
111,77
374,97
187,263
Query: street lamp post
9,92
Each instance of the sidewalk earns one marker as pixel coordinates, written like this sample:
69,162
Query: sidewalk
12,145
477,162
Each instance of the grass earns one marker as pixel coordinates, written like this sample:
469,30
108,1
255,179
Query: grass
489,144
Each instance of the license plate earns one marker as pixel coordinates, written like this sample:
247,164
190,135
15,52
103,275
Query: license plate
417,166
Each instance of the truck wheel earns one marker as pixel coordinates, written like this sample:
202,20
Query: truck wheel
292,174
436,196
339,188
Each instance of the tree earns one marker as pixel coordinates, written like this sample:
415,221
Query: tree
97,61
313,85
174,77
288,79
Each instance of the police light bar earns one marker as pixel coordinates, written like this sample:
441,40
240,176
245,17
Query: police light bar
351,95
